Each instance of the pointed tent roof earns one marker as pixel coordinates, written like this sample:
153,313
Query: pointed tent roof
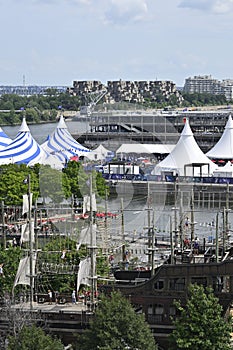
98,153
23,149
224,171
224,147
62,144
4,139
186,158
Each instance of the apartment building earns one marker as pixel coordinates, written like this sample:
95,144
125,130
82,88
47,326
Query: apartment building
207,84
126,91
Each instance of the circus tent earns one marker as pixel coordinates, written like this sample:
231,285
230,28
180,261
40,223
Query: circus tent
224,147
62,144
4,139
186,159
23,149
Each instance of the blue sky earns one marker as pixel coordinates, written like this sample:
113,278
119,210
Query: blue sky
54,42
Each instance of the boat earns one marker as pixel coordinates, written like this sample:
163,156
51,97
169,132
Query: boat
153,292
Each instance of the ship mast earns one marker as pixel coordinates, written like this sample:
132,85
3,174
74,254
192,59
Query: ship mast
92,249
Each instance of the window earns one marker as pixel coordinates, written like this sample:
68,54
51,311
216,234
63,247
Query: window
177,284
159,284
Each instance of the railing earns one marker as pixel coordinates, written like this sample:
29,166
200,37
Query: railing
170,178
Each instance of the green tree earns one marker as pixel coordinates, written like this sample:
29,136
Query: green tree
12,184
10,260
116,326
33,338
201,324
53,184
77,179
101,187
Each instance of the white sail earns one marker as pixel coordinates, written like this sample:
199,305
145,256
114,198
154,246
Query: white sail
84,272
25,233
87,204
23,272
85,236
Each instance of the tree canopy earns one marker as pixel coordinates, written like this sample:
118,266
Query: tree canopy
116,326
33,338
47,182
201,324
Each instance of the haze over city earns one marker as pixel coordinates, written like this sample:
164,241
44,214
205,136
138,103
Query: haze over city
54,42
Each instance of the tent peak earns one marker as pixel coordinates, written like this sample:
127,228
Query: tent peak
62,124
186,130
24,127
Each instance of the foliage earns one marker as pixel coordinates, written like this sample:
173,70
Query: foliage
10,260
200,324
203,99
51,254
37,108
102,188
13,186
77,179
33,338
102,265
116,326
53,184
44,108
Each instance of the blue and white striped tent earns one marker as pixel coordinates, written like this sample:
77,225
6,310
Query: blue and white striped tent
23,149
62,144
4,139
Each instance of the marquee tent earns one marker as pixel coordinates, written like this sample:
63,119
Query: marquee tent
23,149
4,139
62,144
144,148
100,153
224,147
224,171
186,159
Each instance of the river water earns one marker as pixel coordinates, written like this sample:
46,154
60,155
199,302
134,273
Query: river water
41,131
135,207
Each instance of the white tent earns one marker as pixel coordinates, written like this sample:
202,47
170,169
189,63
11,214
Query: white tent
100,153
224,171
224,147
186,159
144,148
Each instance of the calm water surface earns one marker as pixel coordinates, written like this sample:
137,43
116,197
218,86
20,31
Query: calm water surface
40,132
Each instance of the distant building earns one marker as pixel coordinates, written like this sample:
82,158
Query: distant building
29,89
125,90
207,84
